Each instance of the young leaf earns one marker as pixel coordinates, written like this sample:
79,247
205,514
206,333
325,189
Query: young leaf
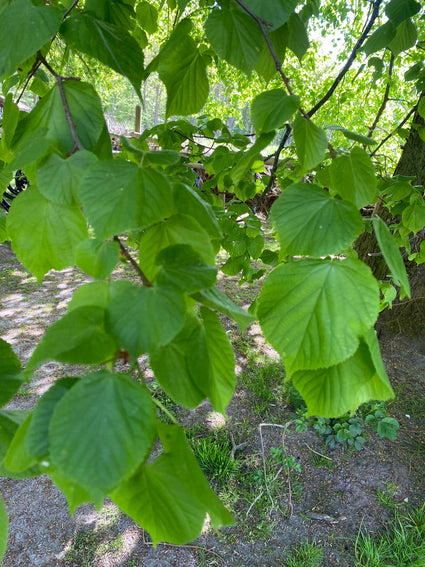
44,234
170,497
97,258
334,391
102,410
271,109
4,528
235,37
310,141
413,216
353,177
118,196
10,373
36,25
392,256
311,222
145,318
300,313
110,44
177,229
79,337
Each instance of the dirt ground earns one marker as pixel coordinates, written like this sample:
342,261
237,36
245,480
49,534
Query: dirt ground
326,502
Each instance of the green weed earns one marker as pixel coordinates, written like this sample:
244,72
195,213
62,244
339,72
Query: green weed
214,454
306,554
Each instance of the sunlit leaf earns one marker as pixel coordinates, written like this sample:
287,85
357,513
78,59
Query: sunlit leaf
272,109
310,141
10,373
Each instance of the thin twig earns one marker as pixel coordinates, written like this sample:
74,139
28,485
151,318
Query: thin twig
70,9
402,123
385,99
350,60
133,262
234,446
317,453
30,76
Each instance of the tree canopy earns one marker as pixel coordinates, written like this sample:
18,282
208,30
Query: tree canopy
323,92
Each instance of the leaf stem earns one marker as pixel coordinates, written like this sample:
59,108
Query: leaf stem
133,262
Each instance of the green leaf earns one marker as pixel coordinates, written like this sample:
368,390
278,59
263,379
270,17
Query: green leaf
274,13
10,420
183,367
101,431
93,293
86,112
414,71
216,299
272,109
413,217
38,438
388,428
118,12
182,267
59,179
188,201
3,231
170,497
111,45
9,120
235,264
97,258
297,39
74,493
36,25
405,37
31,149
353,177
4,528
400,10
145,318
311,222
421,107
235,37
392,256
118,196
221,384
147,17
310,141
184,73
300,313
177,229
44,234
266,65
18,459
334,391
10,373
245,160
79,337
380,38
353,135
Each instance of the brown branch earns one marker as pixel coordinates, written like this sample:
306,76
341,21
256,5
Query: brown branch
70,9
133,262
350,60
32,72
385,99
385,140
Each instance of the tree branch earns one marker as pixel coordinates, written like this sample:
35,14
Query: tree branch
402,123
385,99
133,262
350,60
70,9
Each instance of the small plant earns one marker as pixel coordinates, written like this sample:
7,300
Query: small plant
263,379
289,462
83,549
402,544
214,454
306,554
386,496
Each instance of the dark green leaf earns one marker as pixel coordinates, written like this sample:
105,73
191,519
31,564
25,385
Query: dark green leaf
380,38
400,10
117,12
10,373
388,428
297,38
79,337
44,234
34,25
311,222
266,65
170,497
310,141
9,120
272,109
188,201
111,45
300,310
274,13
104,410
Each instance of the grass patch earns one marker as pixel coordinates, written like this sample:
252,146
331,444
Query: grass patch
402,544
306,554
214,454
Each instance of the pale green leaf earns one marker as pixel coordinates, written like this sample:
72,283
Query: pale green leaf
392,255
10,373
101,430
97,258
118,196
353,177
79,337
405,37
400,10
272,109
216,299
170,497
9,120
4,528
112,45
353,135
147,17
300,311
18,459
34,25
44,234
177,229
235,37
310,222
334,391
310,141
144,318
